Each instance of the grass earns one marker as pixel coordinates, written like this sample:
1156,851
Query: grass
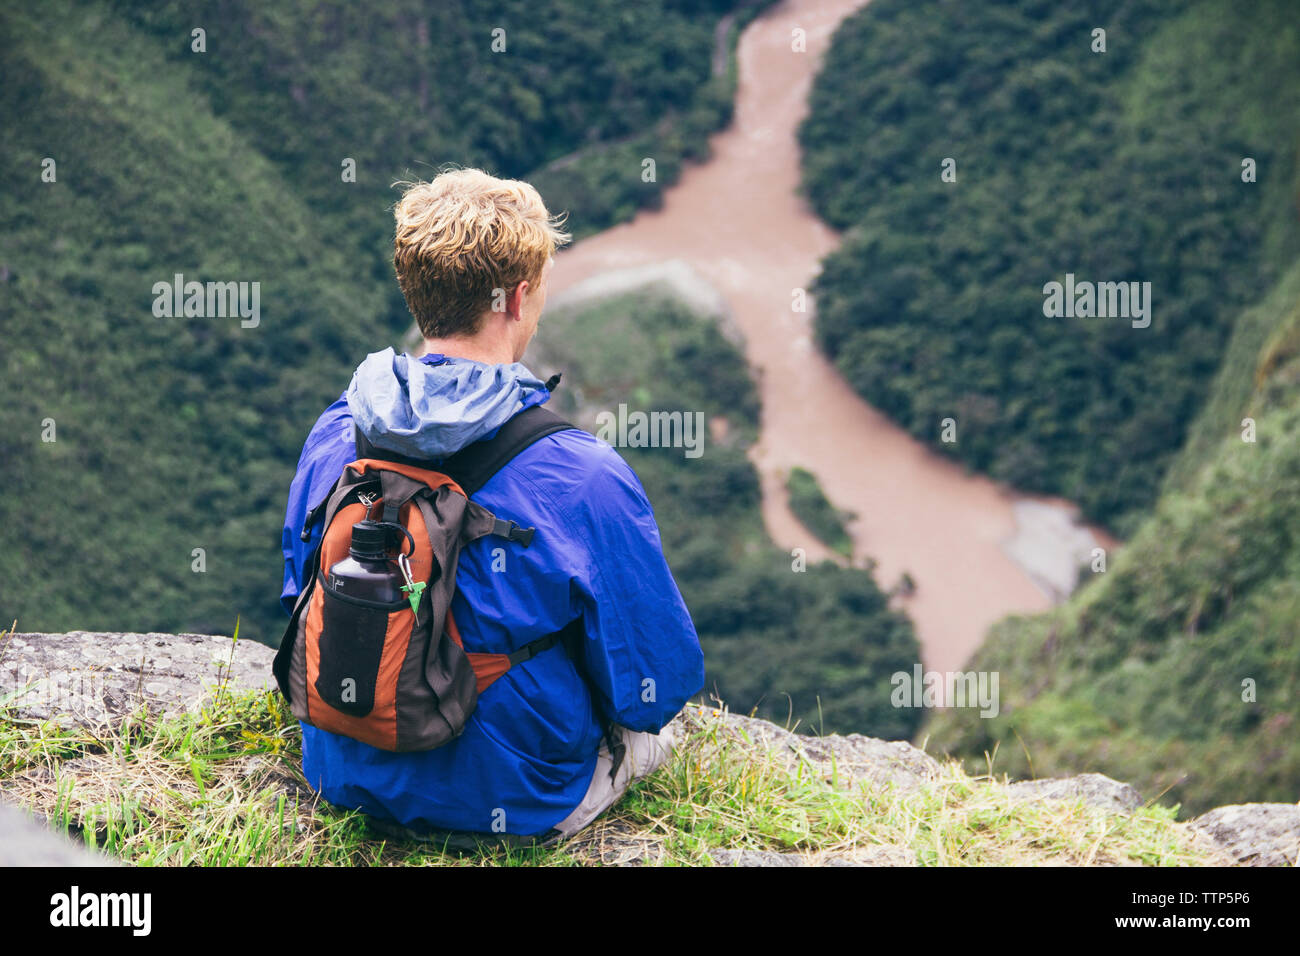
222,787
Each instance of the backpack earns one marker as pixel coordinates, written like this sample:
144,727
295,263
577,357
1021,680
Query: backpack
396,676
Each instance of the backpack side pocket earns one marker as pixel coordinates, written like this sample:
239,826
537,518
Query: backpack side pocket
352,638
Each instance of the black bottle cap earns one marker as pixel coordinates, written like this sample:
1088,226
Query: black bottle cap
369,541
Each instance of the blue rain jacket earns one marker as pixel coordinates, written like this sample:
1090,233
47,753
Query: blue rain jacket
528,752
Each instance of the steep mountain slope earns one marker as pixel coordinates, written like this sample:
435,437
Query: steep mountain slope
159,501
1179,667
1122,165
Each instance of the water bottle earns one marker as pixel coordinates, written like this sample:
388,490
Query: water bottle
368,574
362,592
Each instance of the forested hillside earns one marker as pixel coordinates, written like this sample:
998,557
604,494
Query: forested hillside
815,646
1179,667
145,459
1122,165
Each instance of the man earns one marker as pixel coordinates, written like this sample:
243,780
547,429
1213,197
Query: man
472,255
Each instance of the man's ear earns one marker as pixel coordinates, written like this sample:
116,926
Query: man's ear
515,301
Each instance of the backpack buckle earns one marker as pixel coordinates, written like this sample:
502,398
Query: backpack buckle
508,529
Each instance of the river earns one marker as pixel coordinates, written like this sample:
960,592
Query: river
740,223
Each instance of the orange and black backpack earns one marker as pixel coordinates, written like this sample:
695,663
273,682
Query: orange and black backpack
396,675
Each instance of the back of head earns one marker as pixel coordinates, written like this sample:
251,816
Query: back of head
464,239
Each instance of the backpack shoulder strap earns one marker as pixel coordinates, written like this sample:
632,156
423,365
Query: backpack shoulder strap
472,466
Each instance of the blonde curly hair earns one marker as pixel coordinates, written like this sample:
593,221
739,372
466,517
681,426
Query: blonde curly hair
462,237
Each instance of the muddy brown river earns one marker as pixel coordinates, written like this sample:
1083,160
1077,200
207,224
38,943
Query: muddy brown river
740,223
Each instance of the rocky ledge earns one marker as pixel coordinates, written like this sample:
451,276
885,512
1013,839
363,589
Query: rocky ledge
95,678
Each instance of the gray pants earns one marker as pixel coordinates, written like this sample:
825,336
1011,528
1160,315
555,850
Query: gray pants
645,754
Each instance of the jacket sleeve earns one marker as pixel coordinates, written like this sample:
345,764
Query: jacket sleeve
328,448
641,653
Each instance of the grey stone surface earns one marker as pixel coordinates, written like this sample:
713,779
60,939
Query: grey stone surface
845,760
894,762
1095,789
756,858
1255,834
91,678
25,841
873,856
858,856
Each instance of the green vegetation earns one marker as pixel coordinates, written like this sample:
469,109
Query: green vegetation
1178,669
159,504
222,788
811,506
570,97
816,647
1122,165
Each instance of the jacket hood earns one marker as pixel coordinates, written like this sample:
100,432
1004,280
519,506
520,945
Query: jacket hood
434,406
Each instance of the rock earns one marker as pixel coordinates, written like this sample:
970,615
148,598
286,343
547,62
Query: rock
756,858
858,856
862,758
1050,545
884,855
26,842
1095,789
1255,834
91,678
848,760
776,740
